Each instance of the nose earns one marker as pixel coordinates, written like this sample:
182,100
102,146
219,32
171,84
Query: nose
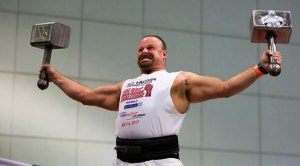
145,50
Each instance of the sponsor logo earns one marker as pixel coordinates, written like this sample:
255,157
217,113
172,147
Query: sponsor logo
132,104
131,115
141,83
136,93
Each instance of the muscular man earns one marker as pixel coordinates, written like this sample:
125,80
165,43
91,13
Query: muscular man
151,107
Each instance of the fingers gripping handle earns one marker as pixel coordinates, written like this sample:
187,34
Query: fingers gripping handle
43,81
274,68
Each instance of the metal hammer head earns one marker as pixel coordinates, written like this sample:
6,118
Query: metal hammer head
270,22
50,35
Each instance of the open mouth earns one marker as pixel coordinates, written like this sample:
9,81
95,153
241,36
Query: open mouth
145,58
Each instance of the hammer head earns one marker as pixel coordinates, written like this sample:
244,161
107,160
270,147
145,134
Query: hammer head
50,35
266,22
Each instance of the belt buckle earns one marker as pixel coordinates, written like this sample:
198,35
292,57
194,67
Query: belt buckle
128,149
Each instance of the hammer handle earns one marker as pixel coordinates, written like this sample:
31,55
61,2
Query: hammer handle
274,68
43,81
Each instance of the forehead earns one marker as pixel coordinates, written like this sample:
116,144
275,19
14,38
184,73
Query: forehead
150,41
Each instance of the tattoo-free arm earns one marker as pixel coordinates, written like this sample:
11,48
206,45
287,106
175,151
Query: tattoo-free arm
106,97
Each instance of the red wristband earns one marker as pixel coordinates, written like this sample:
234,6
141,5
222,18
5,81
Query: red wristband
258,72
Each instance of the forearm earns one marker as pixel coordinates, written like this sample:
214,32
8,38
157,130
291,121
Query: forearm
106,97
241,81
202,88
71,88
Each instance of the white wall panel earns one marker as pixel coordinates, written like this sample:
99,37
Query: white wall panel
6,88
9,5
8,40
44,152
129,12
275,160
215,158
95,154
5,147
66,8
190,134
229,17
109,51
231,124
46,113
190,157
280,126
173,14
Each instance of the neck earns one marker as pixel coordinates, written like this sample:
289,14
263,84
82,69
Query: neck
145,71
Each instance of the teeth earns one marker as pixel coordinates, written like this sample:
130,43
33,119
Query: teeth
147,58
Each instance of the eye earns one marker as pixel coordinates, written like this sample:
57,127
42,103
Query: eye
150,48
140,49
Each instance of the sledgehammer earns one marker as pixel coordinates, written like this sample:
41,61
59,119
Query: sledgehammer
271,26
48,36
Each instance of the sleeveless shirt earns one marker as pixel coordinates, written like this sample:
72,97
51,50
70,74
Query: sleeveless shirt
146,109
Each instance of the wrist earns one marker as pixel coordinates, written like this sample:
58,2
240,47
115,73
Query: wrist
260,70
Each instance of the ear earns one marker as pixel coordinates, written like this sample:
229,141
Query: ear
165,55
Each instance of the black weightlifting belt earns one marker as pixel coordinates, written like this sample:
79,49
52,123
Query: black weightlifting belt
140,150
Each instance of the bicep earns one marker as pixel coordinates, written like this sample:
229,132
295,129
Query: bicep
202,88
106,97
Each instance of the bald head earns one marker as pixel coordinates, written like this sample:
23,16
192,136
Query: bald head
163,43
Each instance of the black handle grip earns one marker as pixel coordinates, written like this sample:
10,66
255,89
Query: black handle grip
43,82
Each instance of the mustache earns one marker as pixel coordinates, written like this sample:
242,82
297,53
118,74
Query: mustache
146,55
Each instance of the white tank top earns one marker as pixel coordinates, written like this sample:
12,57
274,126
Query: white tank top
146,108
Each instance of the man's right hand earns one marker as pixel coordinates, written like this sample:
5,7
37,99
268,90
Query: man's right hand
51,72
